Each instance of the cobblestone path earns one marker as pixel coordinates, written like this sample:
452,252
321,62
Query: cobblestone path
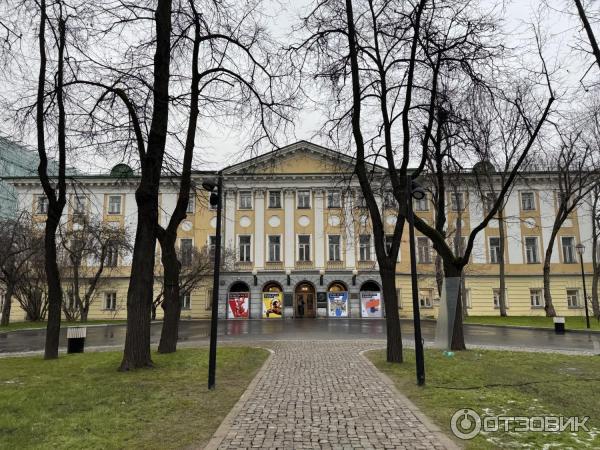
323,394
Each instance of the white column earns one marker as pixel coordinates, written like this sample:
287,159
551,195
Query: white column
259,229
289,238
229,219
350,251
513,229
584,220
319,230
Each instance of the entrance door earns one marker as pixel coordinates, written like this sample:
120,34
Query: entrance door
305,304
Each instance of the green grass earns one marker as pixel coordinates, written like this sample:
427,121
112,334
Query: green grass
26,325
507,384
81,401
573,323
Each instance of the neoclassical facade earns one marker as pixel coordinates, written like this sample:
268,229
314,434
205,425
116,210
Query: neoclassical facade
299,241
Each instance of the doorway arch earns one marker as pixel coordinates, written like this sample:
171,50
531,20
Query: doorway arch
305,304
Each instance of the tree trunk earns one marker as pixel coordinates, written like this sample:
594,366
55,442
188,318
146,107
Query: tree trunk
502,264
171,304
458,337
7,305
153,314
85,309
548,305
392,317
595,306
54,287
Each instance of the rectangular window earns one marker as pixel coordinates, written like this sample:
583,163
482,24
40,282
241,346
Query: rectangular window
423,250
186,301
274,199
496,298
212,246
399,297
457,200
110,301
191,204
208,300
334,199
573,298
334,248
488,201
389,201
42,204
274,248
527,201
425,298
360,201
364,245
531,250
467,298
114,204
568,249
79,205
536,298
421,204
304,247
185,249
245,199
244,246
495,250
303,199
112,255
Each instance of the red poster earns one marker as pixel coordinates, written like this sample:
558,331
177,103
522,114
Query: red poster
238,305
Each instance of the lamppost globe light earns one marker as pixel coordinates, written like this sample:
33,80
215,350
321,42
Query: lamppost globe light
209,184
416,191
580,249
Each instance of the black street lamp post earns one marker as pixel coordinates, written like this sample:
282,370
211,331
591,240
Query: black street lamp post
413,190
215,199
580,251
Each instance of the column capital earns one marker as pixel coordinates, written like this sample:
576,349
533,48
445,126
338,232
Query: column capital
260,192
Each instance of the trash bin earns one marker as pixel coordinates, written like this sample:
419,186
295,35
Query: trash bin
76,339
559,325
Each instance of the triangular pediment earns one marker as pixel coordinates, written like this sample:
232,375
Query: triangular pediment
300,157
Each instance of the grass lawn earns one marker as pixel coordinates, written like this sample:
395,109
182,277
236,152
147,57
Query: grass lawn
507,384
574,323
81,401
22,325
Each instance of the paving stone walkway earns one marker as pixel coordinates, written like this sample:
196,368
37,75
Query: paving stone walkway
325,395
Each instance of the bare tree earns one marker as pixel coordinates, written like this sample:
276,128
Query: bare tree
595,218
584,16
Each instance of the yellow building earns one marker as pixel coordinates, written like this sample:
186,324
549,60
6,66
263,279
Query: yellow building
294,221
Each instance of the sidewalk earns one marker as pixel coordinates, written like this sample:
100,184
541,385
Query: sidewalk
324,394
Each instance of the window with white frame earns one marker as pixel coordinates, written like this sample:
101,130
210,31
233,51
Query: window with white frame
334,199
114,204
186,301
389,201
191,206
42,204
334,247
536,298
274,199
467,298
303,198
244,245
496,298
531,250
488,201
457,201
364,246
421,204
212,246
568,249
245,200
79,202
495,250
360,200
527,201
208,300
110,301
423,250
304,247
573,298
426,298
275,248
2,300
112,255
185,249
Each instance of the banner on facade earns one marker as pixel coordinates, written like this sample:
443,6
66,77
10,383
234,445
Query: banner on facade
337,304
238,305
272,305
370,304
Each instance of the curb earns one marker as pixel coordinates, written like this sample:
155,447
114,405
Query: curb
431,427
527,327
221,432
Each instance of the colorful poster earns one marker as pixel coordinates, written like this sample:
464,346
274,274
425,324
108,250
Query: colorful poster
272,305
337,304
238,305
370,304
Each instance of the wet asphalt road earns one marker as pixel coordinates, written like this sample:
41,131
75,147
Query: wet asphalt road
313,329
